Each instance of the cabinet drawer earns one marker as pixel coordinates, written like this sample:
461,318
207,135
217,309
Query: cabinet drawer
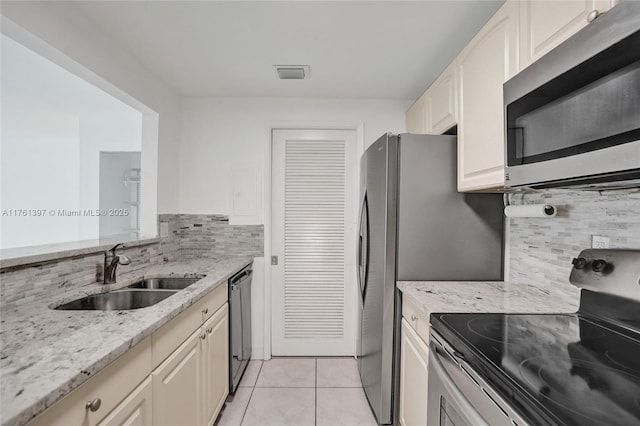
416,318
172,334
110,386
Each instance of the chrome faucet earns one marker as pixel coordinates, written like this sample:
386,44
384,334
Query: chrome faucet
111,262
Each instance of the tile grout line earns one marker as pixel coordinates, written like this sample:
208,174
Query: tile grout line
315,412
339,387
285,386
253,388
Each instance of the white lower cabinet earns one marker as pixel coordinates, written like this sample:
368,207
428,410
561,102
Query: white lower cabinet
109,391
175,385
413,377
215,365
190,387
135,410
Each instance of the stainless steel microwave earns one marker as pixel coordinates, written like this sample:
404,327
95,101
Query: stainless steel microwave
573,117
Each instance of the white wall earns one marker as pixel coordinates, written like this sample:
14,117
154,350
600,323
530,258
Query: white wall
224,139
60,25
34,145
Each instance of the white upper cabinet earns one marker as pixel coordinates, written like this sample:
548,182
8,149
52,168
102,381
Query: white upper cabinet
469,91
435,111
546,24
441,102
415,118
490,59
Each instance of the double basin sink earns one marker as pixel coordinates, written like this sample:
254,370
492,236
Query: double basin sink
135,296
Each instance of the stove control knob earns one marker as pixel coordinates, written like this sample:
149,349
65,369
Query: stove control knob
598,265
579,262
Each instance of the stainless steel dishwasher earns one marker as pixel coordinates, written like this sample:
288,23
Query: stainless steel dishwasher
239,325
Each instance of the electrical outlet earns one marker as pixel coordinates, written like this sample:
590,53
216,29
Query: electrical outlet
598,241
164,229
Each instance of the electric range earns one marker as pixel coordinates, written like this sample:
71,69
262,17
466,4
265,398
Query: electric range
545,369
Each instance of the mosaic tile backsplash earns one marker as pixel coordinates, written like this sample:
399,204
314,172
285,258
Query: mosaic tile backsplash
190,237
212,236
541,249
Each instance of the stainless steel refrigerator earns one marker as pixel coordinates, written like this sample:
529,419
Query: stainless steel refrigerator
414,225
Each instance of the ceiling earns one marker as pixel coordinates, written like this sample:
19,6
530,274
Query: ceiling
356,49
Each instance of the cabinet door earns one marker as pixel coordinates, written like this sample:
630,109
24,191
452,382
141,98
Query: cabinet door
215,365
441,102
413,378
483,66
176,385
135,410
416,117
546,24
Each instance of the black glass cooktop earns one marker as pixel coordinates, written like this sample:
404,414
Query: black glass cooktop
553,369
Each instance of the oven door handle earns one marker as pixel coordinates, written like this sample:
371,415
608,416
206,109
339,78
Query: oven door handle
458,399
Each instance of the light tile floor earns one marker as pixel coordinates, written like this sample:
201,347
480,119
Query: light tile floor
299,392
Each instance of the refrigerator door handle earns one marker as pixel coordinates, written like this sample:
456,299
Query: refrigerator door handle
363,247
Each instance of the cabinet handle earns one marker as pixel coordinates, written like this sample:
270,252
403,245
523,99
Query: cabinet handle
203,336
205,311
93,405
414,317
593,15
209,330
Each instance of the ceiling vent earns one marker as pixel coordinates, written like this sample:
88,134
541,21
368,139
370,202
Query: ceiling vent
292,72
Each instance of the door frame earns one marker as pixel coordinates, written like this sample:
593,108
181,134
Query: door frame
266,205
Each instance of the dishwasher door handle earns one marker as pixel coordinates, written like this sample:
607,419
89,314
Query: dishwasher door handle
241,275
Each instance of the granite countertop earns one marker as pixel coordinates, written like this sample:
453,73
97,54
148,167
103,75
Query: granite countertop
45,353
484,296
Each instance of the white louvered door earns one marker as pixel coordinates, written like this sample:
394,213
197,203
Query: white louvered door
314,203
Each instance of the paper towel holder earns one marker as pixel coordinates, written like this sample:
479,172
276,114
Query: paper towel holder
531,210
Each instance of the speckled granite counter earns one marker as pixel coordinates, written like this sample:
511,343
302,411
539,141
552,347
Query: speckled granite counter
44,353
481,296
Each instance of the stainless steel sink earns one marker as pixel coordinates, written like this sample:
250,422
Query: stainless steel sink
174,283
118,300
